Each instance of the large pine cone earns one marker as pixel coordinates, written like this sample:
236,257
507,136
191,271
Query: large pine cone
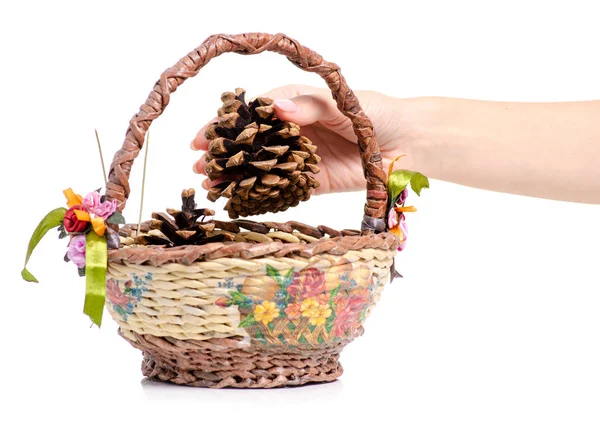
261,162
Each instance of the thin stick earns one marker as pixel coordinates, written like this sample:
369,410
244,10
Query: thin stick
143,182
101,157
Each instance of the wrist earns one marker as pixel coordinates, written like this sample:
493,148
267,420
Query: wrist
421,134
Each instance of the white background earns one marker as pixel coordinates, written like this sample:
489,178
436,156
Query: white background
497,321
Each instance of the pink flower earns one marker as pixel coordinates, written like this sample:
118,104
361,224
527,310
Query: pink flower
404,230
91,202
307,283
402,197
392,219
76,251
106,209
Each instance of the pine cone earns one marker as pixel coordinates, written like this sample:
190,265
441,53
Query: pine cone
260,161
180,227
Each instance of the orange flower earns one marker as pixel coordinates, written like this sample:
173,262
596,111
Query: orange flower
293,311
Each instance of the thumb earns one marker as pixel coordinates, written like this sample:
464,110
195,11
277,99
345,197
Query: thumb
308,109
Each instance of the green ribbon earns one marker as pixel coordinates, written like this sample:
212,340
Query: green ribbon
399,179
53,219
96,258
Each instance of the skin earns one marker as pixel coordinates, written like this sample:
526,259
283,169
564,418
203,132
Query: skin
546,150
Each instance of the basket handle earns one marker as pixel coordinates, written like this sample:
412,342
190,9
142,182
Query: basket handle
248,44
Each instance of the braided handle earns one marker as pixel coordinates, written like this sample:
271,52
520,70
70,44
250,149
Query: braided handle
248,44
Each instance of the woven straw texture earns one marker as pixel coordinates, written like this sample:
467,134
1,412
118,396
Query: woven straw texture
179,300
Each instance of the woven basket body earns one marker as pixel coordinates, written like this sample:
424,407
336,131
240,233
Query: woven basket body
271,312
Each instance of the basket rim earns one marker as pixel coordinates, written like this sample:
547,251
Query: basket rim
157,255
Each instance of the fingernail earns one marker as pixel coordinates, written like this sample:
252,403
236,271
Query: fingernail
196,170
287,106
192,146
205,184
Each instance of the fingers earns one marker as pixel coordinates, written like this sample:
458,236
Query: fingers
307,109
199,165
200,142
300,104
199,169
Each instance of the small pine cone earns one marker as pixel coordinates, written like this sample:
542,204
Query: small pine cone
180,227
261,162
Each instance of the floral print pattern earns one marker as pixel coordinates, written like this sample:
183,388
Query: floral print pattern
123,299
328,306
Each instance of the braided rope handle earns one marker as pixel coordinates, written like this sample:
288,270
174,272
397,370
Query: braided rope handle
249,44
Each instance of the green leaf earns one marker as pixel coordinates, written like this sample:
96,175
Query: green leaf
397,182
320,339
274,273
288,278
240,299
291,326
53,219
116,218
260,336
328,327
419,182
248,321
334,293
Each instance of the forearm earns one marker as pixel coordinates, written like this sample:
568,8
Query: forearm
548,150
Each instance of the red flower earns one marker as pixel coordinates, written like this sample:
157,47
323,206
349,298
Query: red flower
223,302
115,295
347,312
72,224
307,283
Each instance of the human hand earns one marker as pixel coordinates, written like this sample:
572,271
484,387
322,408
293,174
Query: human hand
316,112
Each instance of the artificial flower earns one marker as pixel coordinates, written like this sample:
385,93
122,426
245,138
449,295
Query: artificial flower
106,209
91,202
72,222
392,219
76,251
401,231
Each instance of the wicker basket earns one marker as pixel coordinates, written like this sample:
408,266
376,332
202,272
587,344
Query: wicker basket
274,309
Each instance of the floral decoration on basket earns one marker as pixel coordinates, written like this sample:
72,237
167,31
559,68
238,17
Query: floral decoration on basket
238,303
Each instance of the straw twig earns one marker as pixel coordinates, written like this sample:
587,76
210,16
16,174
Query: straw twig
101,157
143,181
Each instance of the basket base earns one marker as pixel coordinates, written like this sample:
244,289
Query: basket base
220,363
